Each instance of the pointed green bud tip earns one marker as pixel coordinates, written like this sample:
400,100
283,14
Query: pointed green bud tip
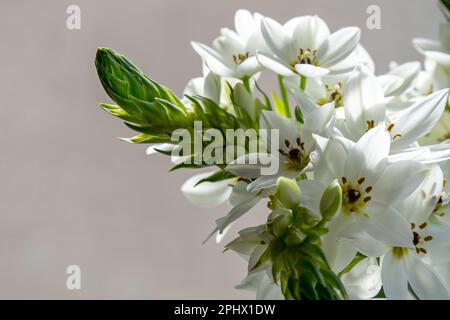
331,201
288,193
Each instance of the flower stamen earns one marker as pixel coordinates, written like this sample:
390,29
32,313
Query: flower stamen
354,197
418,239
370,124
334,93
296,155
307,56
240,57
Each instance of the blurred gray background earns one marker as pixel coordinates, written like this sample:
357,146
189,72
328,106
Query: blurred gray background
71,193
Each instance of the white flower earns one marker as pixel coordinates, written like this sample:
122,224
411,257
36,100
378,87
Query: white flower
305,46
363,281
318,91
292,150
233,52
419,264
365,108
370,186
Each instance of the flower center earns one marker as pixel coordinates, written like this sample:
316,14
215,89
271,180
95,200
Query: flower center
355,196
240,57
399,252
334,93
296,156
419,239
305,56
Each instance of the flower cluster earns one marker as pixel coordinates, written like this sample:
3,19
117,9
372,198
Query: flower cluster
358,206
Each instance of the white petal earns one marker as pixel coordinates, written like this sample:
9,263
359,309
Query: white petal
195,86
338,46
393,276
363,93
274,65
311,191
408,73
388,226
310,32
419,119
339,254
441,237
206,194
424,45
311,71
418,205
287,128
365,243
212,87
319,122
398,180
244,24
235,213
240,194
249,67
263,182
363,281
438,56
331,163
389,83
367,158
303,101
437,153
338,251
250,165
277,39
213,60
425,282
221,235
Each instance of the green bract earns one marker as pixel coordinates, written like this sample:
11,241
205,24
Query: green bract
149,108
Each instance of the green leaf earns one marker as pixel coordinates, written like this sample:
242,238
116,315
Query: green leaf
217,176
279,105
189,165
145,138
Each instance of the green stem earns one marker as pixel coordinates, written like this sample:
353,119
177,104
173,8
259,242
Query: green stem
246,81
284,96
303,80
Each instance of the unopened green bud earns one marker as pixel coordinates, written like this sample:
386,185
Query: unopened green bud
288,193
281,219
295,236
331,201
